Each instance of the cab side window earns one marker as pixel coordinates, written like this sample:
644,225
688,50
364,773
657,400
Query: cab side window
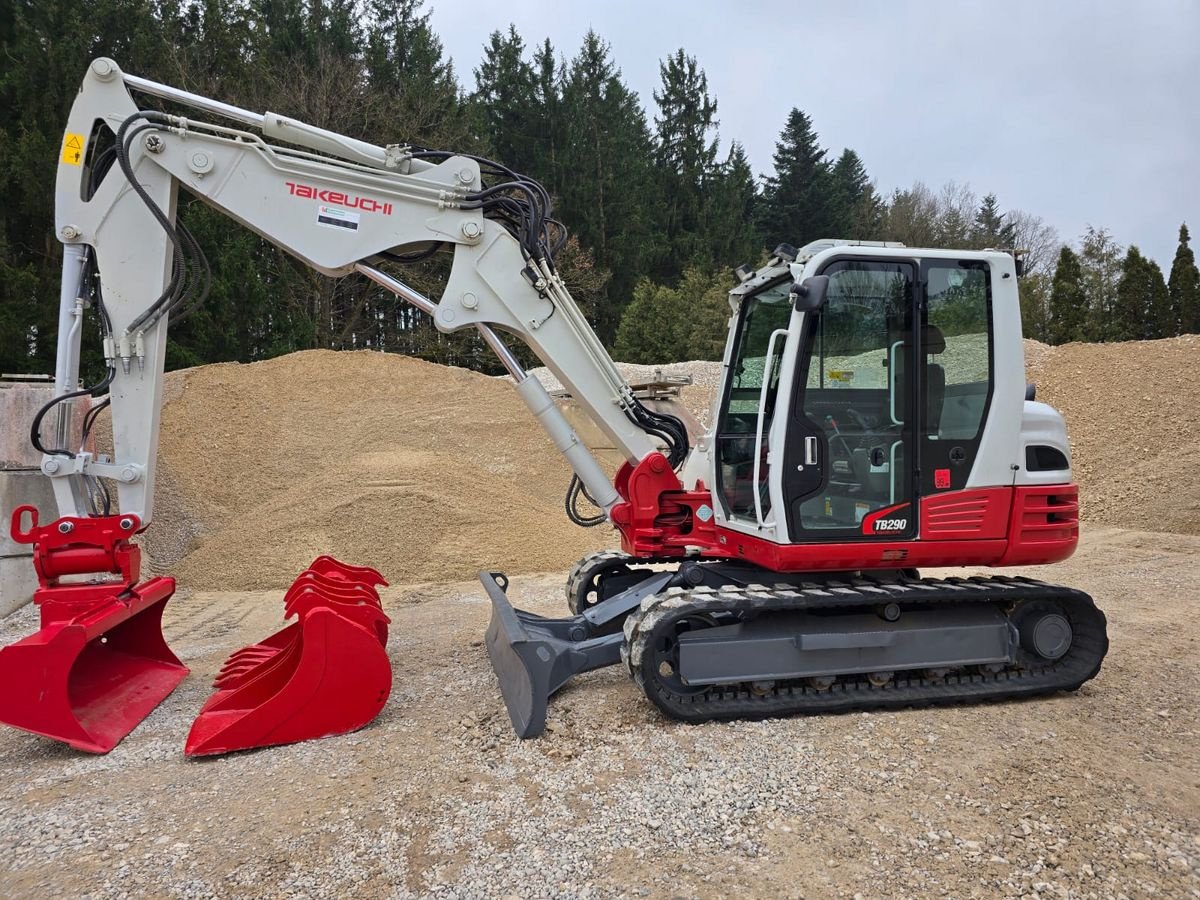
957,349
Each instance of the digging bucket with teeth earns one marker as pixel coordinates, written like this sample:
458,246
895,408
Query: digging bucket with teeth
326,673
99,663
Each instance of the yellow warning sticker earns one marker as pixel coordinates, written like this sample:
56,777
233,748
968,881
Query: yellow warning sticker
72,152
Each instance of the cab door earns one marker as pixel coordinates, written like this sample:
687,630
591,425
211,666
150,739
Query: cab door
849,462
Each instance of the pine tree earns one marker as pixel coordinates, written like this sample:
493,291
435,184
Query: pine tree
732,230
1127,319
1100,258
653,325
1184,287
797,198
46,47
1035,288
549,134
853,202
504,101
1160,321
686,169
992,228
1142,302
607,155
1068,302
666,324
912,216
405,64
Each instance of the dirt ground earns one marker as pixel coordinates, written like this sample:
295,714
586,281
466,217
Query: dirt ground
1095,794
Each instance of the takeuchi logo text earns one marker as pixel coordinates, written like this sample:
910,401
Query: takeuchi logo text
339,198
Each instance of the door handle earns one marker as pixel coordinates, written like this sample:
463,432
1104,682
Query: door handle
810,451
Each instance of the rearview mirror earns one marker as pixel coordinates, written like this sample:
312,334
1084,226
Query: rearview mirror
809,295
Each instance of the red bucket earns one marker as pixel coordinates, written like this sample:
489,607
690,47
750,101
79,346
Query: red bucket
99,663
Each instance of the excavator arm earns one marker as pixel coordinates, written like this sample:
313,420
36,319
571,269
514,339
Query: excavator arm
335,203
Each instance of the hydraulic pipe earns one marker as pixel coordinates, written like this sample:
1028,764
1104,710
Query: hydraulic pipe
70,323
195,101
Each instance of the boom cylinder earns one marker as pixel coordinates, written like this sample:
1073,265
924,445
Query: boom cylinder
568,443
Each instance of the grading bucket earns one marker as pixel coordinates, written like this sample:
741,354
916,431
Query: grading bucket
99,663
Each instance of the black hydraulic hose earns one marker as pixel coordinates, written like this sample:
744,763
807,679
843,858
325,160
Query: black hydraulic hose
35,429
175,286
574,489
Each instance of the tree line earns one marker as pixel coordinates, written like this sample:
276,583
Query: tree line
660,210
1101,292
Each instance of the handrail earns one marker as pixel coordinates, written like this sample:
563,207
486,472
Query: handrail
768,365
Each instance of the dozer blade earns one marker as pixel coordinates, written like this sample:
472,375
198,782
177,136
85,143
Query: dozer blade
534,656
327,673
90,679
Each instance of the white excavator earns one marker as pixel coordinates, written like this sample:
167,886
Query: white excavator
873,419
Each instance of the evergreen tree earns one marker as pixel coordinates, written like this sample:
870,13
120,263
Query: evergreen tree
855,208
1100,258
1184,287
607,153
992,228
1068,301
732,230
1160,322
1128,315
1142,302
653,325
504,101
405,66
685,157
1035,307
665,324
797,198
912,217
46,46
549,134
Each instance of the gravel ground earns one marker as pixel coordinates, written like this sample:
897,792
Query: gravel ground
1095,794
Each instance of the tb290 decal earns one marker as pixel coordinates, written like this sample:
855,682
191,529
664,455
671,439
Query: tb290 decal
891,520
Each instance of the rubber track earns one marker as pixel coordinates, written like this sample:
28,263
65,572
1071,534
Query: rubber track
659,613
586,567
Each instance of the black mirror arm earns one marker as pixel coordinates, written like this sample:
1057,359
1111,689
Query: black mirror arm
809,295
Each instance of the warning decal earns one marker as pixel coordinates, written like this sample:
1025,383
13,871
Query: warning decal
72,151
337,218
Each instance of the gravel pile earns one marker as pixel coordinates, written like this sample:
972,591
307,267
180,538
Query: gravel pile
1133,416
425,472
697,397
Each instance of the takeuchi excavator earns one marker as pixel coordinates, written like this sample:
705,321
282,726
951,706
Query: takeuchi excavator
873,419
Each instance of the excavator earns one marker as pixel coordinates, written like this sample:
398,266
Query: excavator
873,419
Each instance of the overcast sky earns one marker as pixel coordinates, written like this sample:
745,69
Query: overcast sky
1079,112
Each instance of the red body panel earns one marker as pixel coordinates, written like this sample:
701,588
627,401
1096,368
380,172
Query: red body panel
997,526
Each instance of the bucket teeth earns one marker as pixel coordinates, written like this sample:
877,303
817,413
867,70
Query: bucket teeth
326,673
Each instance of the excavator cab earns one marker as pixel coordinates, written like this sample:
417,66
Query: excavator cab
826,411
